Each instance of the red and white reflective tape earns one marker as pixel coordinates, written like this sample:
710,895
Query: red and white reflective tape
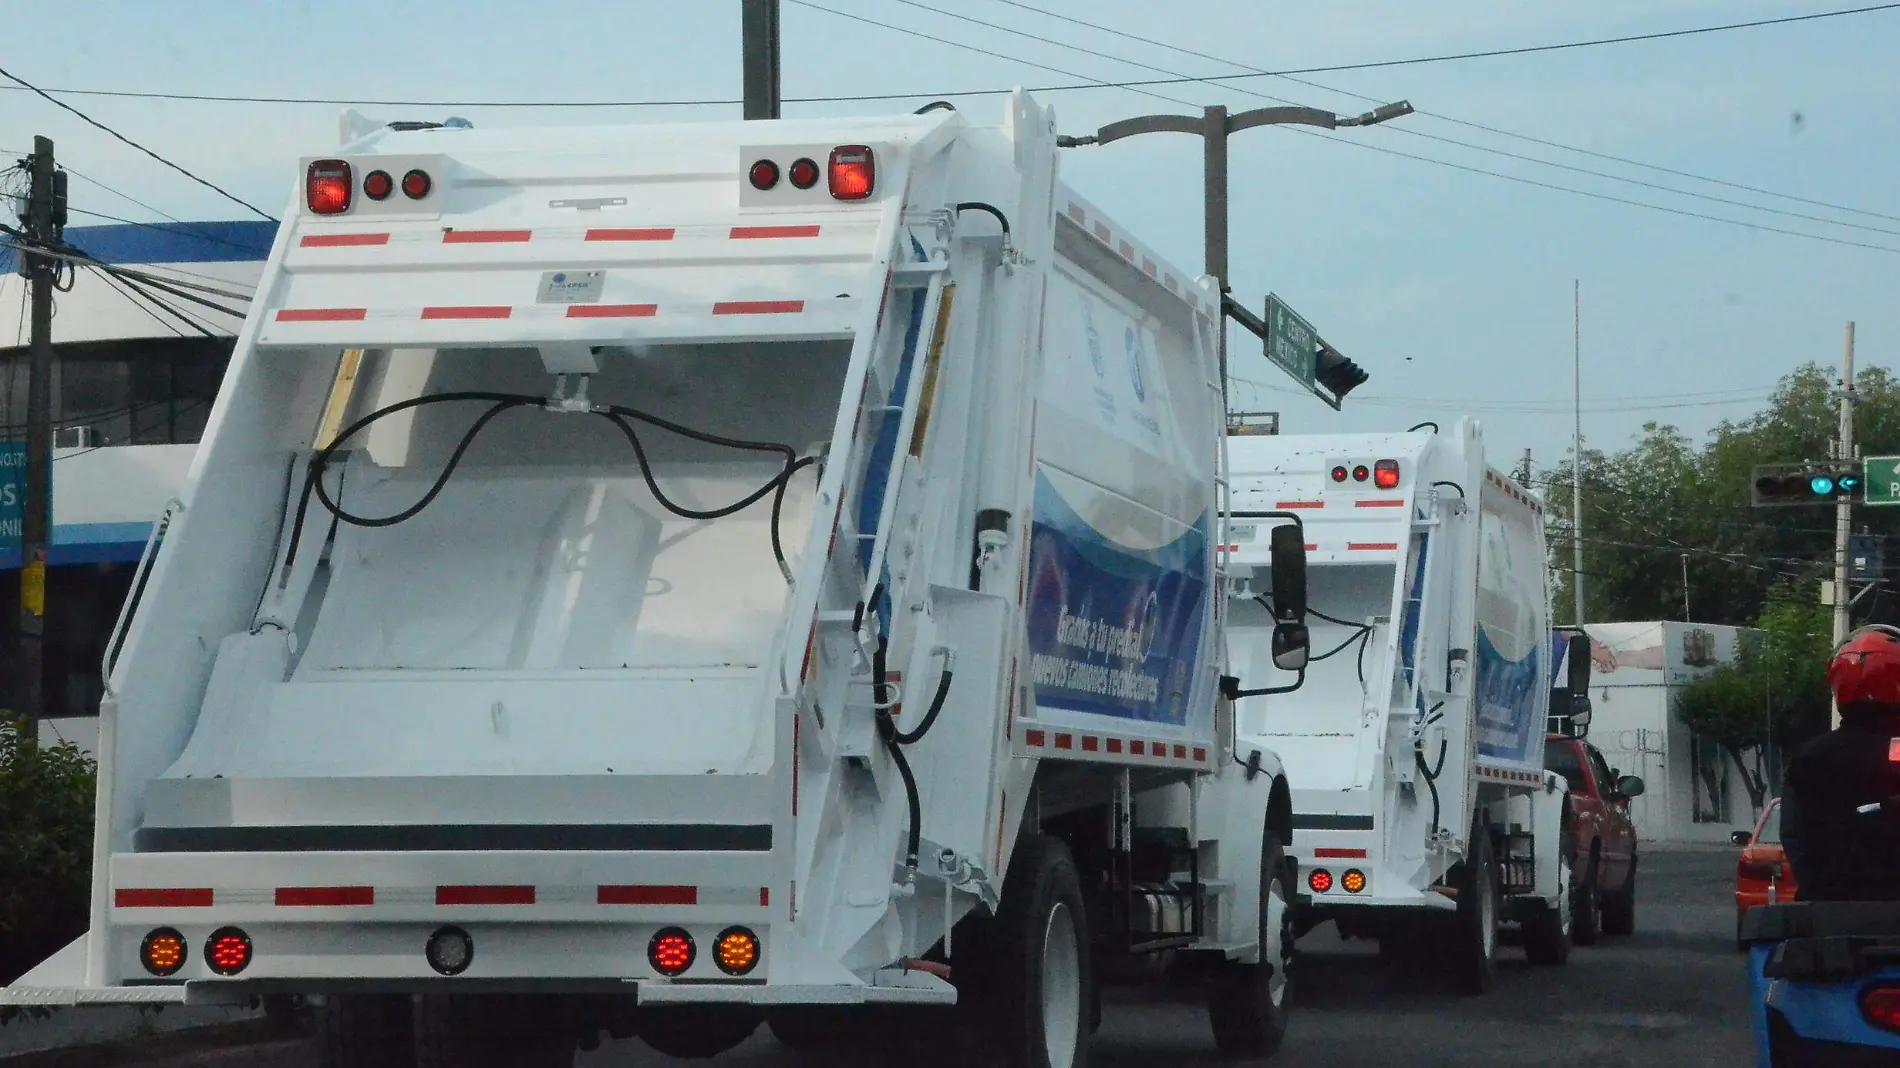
440,312
1333,853
1511,775
454,236
1513,490
447,896
1078,742
1127,251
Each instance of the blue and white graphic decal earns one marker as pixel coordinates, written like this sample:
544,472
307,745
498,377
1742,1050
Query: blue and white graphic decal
1512,670
1113,630
1507,693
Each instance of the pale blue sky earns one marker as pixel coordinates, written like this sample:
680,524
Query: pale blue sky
1453,289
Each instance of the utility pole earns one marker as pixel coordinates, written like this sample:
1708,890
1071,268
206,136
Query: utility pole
1524,471
759,27
45,224
1576,445
1844,505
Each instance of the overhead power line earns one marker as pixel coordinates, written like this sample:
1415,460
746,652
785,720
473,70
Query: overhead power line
1220,81
50,98
1356,143
222,98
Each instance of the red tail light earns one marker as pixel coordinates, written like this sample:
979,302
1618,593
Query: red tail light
416,185
1385,474
853,172
228,951
1320,880
1339,474
1881,1006
326,187
764,174
377,185
1360,474
671,952
804,173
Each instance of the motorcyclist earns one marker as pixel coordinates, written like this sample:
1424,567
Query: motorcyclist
1838,852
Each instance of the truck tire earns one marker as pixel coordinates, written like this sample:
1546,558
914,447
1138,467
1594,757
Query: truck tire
1585,922
1475,955
1028,984
1547,931
494,1031
364,1031
1247,1003
1619,909
695,1032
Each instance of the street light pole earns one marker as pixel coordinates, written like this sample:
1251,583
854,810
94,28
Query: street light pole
1215,125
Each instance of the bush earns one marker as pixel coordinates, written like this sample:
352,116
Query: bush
46,807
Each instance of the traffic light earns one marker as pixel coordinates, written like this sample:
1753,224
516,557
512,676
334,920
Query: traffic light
1788,485
1339,375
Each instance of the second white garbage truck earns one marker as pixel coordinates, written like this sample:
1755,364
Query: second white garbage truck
1423,813
658,579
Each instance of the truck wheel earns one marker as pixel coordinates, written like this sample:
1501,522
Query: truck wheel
1476,955
1619,909
695,1032
1547,933
1247,1002
1584,923
464,1031
364,1031
1029,989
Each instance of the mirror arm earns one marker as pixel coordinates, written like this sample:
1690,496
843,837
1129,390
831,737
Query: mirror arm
1235,693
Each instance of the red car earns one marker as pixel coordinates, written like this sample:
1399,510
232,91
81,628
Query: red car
1762,875
1602,836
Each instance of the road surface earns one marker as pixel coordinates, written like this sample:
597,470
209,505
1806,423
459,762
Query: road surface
1673,994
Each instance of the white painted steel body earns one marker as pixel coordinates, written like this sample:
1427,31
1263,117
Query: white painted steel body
1445,573
554,713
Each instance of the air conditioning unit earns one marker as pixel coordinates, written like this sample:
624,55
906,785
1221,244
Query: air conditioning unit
75,437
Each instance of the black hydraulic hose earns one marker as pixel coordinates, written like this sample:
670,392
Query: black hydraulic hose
778,507
1431,784
1423,425
888,730
653,485
977,205
935,105
916,734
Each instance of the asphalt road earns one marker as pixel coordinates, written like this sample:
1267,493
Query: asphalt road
1672,994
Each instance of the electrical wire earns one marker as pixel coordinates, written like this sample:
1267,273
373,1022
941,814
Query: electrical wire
1451,119
88,119
261,253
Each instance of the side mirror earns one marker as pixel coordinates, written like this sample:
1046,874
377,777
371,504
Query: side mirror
1288,543
1579,657
1740,838
1579,710
1291,645
1630,786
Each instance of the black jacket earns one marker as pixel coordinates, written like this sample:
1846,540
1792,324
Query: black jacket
1837,853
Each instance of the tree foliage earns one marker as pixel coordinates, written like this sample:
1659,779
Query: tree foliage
46,810
1775,689
1665,505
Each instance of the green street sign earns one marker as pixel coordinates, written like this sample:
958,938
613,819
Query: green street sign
1883,480
1292,343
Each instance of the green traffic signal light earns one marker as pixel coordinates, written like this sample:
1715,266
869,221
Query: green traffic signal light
1786,485
1821,486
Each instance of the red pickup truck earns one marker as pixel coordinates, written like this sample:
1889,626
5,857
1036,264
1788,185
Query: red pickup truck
1601,837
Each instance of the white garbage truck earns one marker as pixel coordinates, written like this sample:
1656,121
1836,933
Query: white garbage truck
1423,815
660,579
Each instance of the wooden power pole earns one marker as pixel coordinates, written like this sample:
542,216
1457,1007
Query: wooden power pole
45,226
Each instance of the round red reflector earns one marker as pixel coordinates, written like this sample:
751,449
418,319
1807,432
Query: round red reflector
671,951
377,185
737,951
163,952
1354,881
1339,474
1360,474
853,172
1385,474
764,174
327,187
228,951
416,185
804,173
1320,880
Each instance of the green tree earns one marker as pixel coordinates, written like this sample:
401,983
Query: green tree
46,799
1776,689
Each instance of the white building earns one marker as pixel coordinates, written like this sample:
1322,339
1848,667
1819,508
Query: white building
1693,792
134,378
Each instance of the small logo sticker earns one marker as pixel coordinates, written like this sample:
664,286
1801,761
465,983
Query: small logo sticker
571,287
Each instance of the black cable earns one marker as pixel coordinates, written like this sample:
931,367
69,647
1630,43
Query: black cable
160,303
911,800
977,205
56,102
1418,758
1333,619
1453,485
441,480
778,506
1423,425
935,105
616,417
916,734
1337,649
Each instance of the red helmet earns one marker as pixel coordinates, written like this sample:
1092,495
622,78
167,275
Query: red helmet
1866,668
